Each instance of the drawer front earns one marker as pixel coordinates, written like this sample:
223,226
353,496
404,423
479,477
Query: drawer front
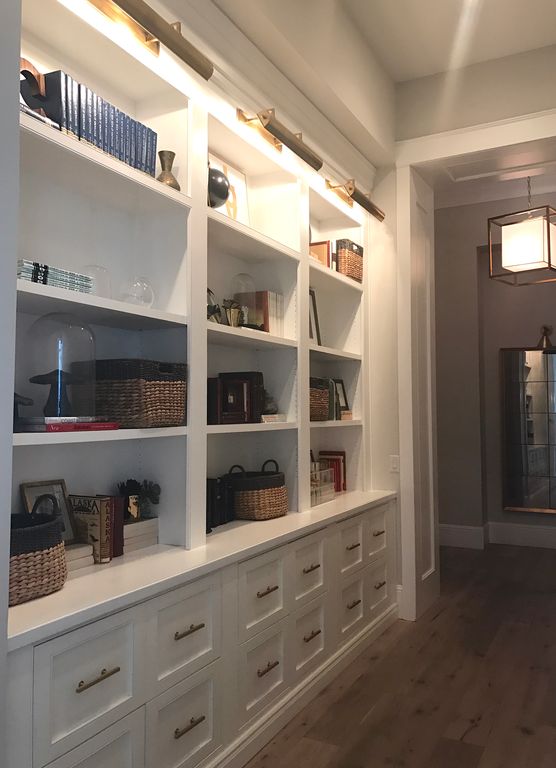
310,636
310,568
378,587
263,593
84,681
183,723
376,525
185,631
264,668
352,608
352,551
121,745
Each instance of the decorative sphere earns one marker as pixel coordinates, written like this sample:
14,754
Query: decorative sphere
138,291
218,188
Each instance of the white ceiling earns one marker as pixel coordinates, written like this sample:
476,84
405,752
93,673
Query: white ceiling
414,38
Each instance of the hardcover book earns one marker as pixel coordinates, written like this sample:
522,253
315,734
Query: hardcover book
94,516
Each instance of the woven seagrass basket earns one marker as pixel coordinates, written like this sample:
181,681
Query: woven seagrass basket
258,495
350,263
319,399
141,393
37,557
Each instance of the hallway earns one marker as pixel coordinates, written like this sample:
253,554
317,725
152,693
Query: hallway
472,684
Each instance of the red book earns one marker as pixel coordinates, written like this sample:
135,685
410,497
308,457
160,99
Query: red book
83,426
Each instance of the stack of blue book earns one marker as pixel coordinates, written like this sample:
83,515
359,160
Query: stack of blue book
34,272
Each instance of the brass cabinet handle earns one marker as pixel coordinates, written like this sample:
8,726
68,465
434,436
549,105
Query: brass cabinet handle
267,591
311,568
104,675
378,533
379,584
354,604
353,546
192,629
269,667
193,723
311,635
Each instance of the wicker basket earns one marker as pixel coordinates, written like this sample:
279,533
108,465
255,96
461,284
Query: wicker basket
37,557
319,399
258,495
142,393
350,259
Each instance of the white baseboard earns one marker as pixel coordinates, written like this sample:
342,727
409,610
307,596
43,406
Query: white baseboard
522,535
465,536
252,739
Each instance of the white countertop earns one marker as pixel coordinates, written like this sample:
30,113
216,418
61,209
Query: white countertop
102,589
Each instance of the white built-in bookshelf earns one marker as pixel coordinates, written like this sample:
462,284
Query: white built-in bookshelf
81,206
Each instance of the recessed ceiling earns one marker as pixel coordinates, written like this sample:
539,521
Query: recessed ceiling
414,38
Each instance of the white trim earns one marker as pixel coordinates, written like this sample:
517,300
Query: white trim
465,536
253,739
522,535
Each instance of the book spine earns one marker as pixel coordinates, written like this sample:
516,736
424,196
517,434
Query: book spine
265,307
56,89
111,129
103,114
133,143
83,112
117,134
127,139
71,128
89,115
153,140
142,147
105,531
148,150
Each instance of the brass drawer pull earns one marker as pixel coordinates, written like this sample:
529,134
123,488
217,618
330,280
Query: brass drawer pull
269,667
379,584
193,723
192,629
311,568
104,675
267,591
378,533
353,546
354,604
311,635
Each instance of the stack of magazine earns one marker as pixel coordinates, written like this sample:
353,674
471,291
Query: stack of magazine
34,272
64,424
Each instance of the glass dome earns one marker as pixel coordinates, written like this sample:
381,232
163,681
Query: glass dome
63,355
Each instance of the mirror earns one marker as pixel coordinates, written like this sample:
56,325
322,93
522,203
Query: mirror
529,430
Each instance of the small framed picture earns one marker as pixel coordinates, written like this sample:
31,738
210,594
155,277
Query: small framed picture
236,205
314,328
31,492
341,396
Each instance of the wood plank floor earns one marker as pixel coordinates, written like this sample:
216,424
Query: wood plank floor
472,684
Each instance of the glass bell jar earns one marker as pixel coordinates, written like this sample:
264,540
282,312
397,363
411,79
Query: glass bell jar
244,292
63,361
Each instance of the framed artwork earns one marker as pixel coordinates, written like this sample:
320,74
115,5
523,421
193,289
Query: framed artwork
314,328
30,492
341,396
236,205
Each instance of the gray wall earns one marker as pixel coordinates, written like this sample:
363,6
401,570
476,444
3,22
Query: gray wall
475,317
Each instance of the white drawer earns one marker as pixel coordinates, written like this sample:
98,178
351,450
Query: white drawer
378,588
376,530
310,568
352,609
310,636
264,664
352,553
84,681
183,723
184,632
263,592
121,745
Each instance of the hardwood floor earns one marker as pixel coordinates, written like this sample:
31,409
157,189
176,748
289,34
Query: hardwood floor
472,684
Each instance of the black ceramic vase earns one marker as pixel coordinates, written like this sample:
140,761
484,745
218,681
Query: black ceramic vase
218,188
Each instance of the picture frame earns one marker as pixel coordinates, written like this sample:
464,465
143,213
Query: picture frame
341,396
30,492
314,327
236,206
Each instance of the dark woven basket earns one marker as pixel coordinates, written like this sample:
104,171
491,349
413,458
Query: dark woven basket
350,263
319,399
37,556
141,393
258,495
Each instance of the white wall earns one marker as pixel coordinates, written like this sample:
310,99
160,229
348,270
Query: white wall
9,192
481,93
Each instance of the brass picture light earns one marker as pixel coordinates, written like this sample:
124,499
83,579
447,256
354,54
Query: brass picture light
348,192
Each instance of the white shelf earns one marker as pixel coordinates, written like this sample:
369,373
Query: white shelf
326,206
231,238
325,279
110,435
37,299
67,160
337,423
225,429
329,353
245,337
